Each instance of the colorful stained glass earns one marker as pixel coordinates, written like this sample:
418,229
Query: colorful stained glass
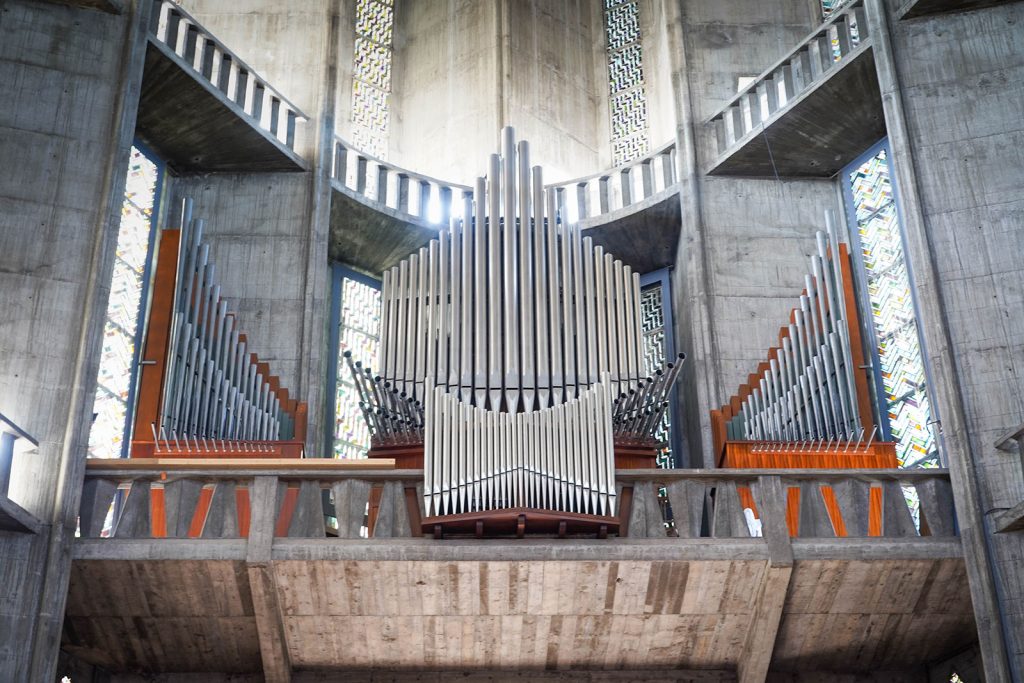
893,314
117,359
628,104
652,326
358,332
371,82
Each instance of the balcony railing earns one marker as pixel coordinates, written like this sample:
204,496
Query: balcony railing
211,500
432,200
418,196
620,187
213,62
843,35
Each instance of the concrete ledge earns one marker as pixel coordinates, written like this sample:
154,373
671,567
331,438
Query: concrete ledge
877,549
1011,520
920,8
160,549
15,518
429,550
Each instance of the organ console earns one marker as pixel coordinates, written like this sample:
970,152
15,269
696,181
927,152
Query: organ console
807,405
202,392
510,365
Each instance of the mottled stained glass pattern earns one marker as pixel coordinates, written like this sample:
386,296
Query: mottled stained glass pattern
371,82
652,325
625,69
628,104
893,314
358,332
110,406
375,20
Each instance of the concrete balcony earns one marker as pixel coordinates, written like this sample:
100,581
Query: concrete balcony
810,113
219,568
203,109
381,213
920,8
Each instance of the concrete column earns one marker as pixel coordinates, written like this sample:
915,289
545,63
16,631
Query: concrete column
958,172
72,76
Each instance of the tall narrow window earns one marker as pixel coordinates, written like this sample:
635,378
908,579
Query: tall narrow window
630,138
900,377
357,317
371,81
656,328
112,405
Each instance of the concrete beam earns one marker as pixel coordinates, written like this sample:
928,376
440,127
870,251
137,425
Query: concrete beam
756,656
263,583
1011,520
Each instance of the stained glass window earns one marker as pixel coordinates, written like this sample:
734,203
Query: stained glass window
358,332
628,96
652,322
371,82
112,402
900,365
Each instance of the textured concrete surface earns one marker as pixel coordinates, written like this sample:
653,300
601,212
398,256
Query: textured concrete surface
745,242
961,78
537,65
64,155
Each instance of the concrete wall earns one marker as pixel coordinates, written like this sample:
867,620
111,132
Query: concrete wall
962,87
64,153
463,69
268,232
745,243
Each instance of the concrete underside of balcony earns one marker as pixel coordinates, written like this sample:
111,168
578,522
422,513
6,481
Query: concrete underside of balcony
196,128
819,132
684,609
372,237
919,8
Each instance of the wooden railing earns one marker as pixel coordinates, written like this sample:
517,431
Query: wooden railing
212,61
843,34
214,500
417,196
620,187
431,200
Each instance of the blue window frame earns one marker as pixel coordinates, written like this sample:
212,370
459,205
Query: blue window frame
885,283
355,326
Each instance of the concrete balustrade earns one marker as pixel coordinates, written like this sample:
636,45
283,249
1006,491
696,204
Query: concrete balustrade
842,35
214,501
419,196
211,60
434,201
620,187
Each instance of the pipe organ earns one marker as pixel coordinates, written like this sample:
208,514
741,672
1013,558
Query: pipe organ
807,405
511,351
202,392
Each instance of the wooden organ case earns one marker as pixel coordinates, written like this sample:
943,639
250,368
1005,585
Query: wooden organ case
202,392
808,404
510,366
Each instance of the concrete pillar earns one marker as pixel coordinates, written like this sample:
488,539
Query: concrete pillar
960,172
72,76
